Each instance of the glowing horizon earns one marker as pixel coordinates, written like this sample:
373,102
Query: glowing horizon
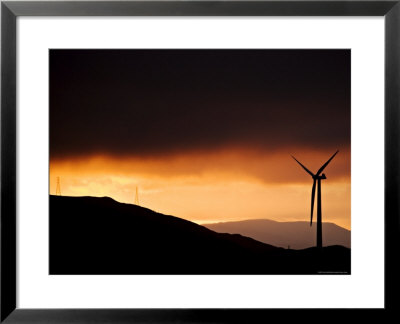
228,185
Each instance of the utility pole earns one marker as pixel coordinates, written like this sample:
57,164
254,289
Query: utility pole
137,197
58,188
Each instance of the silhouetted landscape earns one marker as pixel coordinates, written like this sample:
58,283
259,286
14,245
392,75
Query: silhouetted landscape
90,235
297,235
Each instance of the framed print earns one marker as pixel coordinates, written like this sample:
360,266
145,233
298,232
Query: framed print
187,161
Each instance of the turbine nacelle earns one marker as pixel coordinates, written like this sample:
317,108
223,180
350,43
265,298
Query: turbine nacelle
321,177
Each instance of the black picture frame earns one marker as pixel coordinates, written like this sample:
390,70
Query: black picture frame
10,10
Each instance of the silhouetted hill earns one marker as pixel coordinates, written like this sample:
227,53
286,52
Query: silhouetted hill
91,235
297,235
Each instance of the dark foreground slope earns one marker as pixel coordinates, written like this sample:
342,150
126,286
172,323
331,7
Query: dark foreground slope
297,235
91,235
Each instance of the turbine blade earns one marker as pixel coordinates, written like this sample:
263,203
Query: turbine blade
308,171
327,162
312,200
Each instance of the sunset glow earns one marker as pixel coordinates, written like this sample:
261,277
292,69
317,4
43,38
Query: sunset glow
213,187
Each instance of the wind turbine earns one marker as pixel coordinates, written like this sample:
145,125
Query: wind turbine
317,177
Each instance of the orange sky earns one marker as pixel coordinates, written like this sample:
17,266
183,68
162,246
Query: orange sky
216,186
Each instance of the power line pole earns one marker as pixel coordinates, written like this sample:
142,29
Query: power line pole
137,197
58,188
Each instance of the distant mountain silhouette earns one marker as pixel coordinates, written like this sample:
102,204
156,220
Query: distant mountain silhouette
297,235
90,235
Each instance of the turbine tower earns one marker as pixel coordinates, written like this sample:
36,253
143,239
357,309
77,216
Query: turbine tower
317,177
137,197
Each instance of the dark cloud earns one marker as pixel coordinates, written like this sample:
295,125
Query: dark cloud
150,102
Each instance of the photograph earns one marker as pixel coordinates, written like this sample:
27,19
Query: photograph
199,161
